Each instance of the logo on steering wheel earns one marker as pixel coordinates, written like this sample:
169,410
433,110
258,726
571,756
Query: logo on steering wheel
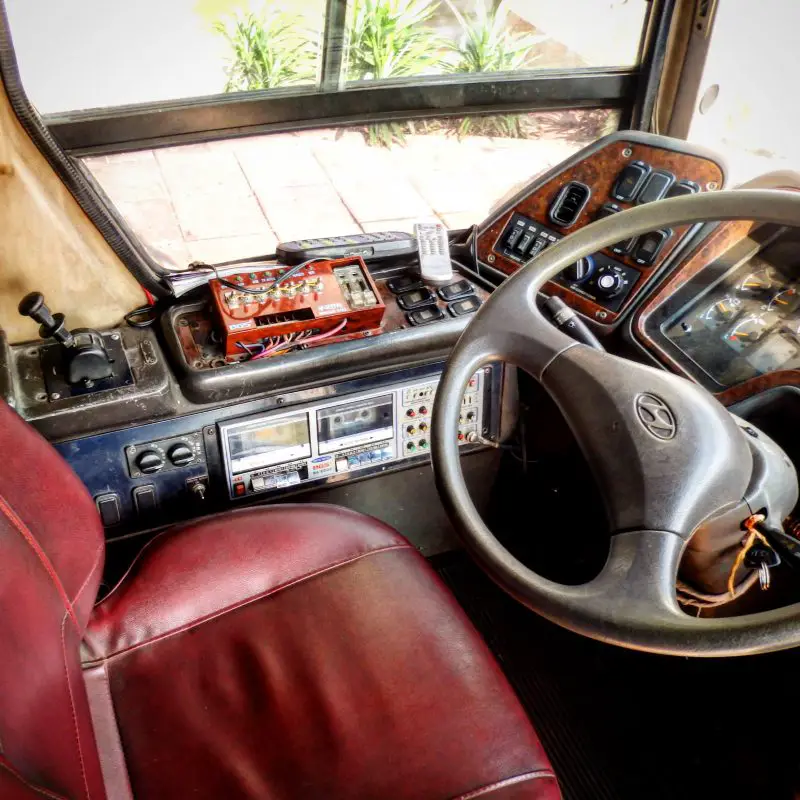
656,416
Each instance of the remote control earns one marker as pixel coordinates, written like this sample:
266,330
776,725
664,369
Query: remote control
370,246
434,252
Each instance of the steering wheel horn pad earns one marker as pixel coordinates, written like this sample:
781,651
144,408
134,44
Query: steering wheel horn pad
667,455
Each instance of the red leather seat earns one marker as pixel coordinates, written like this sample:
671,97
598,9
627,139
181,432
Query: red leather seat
285,652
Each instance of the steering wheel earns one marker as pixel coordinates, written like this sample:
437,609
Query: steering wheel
666,455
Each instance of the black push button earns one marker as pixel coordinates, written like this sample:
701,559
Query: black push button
649,246
607,210
455,291
469,305
630,180
424,316
624,247
656,187
682,188
416,298
145,500
108,507
404,284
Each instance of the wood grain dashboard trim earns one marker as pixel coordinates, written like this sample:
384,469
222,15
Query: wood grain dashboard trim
599,170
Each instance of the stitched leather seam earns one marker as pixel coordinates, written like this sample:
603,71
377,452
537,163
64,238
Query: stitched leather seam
491,787
38,789
98,556
72,708
107,684
42,556
273,590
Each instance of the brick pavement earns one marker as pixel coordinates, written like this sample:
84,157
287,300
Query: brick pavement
238,198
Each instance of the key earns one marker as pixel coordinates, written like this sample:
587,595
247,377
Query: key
762,557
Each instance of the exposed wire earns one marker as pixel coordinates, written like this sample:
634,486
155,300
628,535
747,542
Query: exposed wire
295,340
210,268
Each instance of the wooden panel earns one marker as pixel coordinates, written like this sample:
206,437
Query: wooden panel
599,171
49,244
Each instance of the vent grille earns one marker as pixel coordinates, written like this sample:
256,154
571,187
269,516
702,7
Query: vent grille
569,203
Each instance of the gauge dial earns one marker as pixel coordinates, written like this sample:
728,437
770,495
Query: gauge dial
747,332
784,301
721,312
762,283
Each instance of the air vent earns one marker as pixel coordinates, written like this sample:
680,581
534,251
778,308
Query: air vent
569,203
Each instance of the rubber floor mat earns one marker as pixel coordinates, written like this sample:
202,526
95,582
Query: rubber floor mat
623,725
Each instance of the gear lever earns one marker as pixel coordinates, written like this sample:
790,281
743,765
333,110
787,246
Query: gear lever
85,356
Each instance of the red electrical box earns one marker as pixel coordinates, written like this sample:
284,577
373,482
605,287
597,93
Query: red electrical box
324,302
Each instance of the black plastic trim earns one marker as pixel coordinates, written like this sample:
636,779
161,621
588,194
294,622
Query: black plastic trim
113,228
199,119
330,364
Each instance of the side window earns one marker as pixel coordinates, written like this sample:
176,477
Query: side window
745,107
219,127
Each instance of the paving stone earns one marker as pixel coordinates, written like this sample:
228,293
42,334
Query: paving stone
125,181
201,168
214,215
213,251
308,211
153,220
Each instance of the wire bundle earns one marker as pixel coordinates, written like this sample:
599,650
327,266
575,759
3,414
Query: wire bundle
277,344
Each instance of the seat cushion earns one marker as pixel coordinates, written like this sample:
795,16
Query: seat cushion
300,652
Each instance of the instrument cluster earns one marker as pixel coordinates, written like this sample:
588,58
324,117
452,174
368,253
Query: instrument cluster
747,324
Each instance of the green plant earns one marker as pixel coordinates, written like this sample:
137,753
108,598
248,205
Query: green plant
389,39
267,52
487,44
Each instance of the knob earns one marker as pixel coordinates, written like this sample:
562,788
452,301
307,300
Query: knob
580,271
609,284
180,454
32,305
149,462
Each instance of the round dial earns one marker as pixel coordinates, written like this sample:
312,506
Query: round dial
784,301
762,283
746,332
149,462
609,284
721,311
180,454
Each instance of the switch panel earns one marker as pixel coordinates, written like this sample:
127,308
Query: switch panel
523,239
165,455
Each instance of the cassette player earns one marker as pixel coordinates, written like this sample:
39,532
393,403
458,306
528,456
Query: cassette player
271,310
330,441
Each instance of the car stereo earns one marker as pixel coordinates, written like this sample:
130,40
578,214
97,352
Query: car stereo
362,433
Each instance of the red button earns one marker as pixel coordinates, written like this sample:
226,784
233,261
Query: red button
239,489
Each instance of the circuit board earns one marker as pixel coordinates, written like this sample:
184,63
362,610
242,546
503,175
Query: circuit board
323,302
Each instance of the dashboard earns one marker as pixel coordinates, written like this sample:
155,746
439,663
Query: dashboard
269,379
747,324
618,172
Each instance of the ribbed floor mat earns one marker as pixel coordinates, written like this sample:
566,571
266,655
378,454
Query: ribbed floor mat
622,725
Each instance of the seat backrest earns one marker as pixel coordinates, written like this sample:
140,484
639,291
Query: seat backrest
51,560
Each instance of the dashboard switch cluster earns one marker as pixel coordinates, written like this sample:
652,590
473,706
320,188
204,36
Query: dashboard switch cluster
600,278
523,239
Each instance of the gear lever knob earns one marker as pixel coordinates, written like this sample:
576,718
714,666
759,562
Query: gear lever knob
32,305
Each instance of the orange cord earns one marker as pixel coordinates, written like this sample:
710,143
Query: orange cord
753,534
